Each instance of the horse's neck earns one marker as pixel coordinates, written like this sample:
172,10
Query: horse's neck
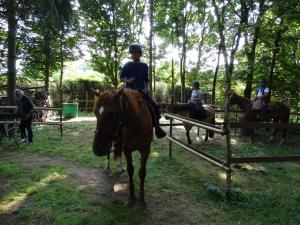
242,102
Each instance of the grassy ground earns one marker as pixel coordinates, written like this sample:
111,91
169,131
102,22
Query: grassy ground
60,181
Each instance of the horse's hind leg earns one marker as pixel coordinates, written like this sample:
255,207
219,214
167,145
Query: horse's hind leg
142,175
130,171
206,135
274,133
107,164
187,132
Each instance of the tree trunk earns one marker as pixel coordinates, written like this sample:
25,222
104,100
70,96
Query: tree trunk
228,74
154,69
183,62
11,50
150,45
200,45
47,61
215,77
61,70
274,56
251,54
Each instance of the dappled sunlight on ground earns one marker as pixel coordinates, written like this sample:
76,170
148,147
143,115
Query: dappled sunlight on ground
234,141
120,187
14,200
155,154
222,175
80,119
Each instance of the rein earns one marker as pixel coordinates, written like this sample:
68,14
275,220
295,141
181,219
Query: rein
119,130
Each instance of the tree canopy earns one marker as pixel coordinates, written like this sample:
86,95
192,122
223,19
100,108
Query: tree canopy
236,41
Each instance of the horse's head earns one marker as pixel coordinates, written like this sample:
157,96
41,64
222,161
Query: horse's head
107,111
232,98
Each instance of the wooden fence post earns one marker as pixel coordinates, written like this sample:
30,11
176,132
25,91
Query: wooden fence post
170,134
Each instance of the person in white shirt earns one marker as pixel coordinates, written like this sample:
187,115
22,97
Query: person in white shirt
263,93
195,105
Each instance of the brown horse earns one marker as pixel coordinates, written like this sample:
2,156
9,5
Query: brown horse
278,112
125,117
183,109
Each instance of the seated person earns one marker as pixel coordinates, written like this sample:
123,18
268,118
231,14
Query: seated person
135,75
196,110
263,94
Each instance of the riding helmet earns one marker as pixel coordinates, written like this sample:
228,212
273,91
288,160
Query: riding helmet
135,48
196,84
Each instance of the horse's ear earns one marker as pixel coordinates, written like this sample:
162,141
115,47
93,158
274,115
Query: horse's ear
118,94
96,92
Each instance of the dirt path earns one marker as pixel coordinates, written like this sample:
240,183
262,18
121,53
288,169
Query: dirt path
111,188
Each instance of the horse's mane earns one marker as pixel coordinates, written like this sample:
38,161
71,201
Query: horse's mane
242,97
131,95
100,99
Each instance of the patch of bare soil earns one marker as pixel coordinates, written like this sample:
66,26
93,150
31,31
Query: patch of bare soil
166,207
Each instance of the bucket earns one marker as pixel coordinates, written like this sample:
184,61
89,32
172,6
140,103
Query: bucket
70,110
244,131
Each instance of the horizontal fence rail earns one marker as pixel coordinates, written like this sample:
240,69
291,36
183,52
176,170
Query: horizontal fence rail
209,158
207,126
11,117
255,159
279,125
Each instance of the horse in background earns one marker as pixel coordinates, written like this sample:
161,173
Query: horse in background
183,109
278,112
124,117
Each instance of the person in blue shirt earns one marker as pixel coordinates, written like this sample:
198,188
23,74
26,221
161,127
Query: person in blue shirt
135,76
25,112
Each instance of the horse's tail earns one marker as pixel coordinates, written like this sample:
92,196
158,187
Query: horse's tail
211,133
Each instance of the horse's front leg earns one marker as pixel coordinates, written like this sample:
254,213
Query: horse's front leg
206,135
142,175
107,164
187,132
121,166
130,171
275,130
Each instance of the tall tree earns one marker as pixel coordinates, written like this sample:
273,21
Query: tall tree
252,32
229,60
151,12
11,13
110,27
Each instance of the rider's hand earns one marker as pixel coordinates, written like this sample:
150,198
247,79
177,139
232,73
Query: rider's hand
130,80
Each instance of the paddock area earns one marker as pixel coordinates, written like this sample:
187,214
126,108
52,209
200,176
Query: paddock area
60,181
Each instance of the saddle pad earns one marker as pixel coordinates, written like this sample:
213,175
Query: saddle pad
257,105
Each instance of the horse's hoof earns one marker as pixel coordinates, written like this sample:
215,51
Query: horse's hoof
142,204
107,171
123,169
271,138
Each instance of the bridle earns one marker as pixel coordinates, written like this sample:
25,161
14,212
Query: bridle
117,132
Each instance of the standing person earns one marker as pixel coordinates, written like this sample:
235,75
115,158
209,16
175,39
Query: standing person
25,111
135,75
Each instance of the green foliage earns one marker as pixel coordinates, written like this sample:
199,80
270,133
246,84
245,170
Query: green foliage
110,26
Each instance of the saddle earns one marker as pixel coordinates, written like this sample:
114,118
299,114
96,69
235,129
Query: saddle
196,111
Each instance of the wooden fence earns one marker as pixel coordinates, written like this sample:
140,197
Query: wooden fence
231,159
58,123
